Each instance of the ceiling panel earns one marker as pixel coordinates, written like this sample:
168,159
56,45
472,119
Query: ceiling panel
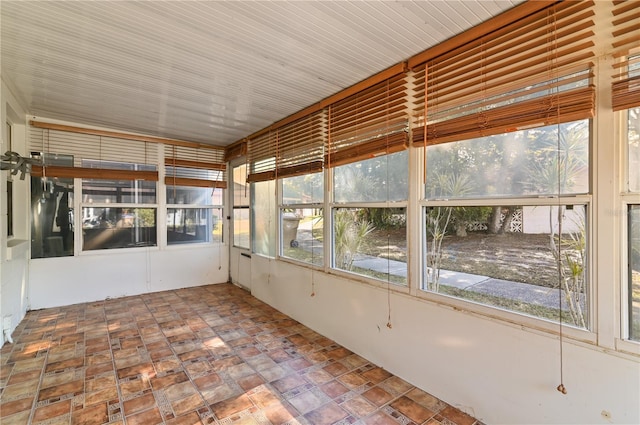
211,72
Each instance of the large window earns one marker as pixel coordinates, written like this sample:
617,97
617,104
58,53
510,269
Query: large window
369,217
506,221
262,217
9,197
301,218
52,213
194,214
118,213
633,277
241,198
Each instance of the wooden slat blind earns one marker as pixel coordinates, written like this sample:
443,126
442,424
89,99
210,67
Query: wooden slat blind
201,167
86,146
626,46
293,149
301,146
533,72
369,123
89,146
235,150
262,151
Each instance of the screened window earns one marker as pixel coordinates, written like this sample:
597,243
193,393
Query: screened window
535,162
52,212
369,217
240,207
118,213
194,215
302,219
504,251
263,222
633,225
9,197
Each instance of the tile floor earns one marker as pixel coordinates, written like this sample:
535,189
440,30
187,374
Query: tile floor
211,354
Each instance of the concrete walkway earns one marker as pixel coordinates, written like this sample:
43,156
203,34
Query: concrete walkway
523,292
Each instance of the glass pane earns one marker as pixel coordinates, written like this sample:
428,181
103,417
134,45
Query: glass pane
371,242
383,178
193,225
194,195
240,186
241,227
510,257
107,228
307,189
9,208
529,162
263,222
634,272
302,234
118,191
52,217
633,137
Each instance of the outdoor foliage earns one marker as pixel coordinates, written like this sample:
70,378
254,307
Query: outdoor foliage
350,233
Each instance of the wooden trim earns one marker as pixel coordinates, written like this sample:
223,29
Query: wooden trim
119,135
181,181
93,173
194,164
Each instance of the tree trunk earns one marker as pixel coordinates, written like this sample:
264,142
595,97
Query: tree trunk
508,218
493,224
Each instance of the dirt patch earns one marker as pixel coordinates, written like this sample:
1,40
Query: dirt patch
516,257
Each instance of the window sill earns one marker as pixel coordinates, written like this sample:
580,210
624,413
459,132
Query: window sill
16,248
628,347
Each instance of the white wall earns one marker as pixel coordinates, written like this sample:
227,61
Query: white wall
14,251
116,273
493,370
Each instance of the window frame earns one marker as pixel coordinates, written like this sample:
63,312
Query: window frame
195,206
333,205
245,207
628,198
10,231
155,206
314,204
588,334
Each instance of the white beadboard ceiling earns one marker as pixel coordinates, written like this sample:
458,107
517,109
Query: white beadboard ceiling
211,72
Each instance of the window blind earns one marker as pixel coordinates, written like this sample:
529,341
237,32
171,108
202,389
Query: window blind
626,47
300,146
292,149
88,146
235,150
262,157
535,71
371,122
201,167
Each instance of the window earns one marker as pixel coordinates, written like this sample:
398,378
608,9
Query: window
369,217
9,184
633,225
634,272
118,213
52,212
301,218
240,207
262,218
194,214
488,241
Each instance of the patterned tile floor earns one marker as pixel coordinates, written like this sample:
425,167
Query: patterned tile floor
212,355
